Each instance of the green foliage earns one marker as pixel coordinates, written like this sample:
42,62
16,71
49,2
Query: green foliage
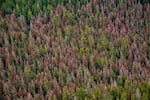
5,26
98,94
115,93
1,2
69,32
32,7
7,6
137,37
65,95
121,82
145,96
113,51
84,1
115,73
56,20
42,51
145,89
87,30
144,1
103,43
93,20
29,15
28,73
23,54
17,10
124,48
11,39
84,40
133,97
55,73
46,85
71,17
91,41
1,43
123,95
81,93
84,51
125,44
101,62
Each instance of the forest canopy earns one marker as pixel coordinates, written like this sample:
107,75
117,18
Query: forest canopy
75,49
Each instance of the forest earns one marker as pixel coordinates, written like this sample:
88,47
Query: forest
74,49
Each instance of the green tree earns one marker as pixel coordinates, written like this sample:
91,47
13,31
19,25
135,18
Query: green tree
7,7
81,93
29,15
